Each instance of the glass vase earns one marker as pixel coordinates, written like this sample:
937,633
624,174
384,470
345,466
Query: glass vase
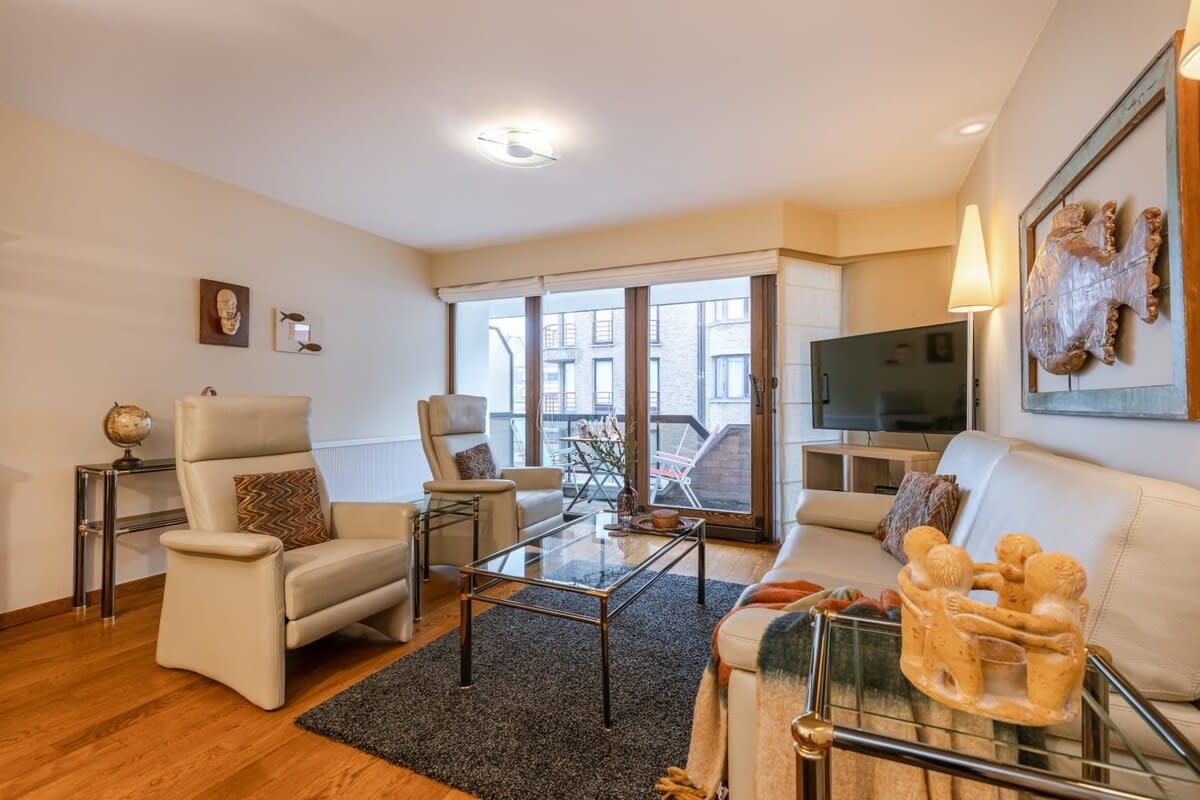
627,505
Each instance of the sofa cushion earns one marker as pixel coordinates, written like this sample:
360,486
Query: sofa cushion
286,505
924,499
476,463
970,457
1136,538
325,574
854,511
739,635
538,505
831,557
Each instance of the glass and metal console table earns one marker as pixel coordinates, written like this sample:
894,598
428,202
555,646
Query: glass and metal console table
580,557
110,526
446,511
1151,764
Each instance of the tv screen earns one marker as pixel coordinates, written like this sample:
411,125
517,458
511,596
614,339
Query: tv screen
911,380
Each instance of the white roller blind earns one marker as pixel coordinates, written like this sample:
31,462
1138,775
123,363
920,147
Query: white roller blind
761,262
496,290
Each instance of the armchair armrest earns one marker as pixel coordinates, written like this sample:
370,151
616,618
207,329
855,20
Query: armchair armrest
372,520
247,546
469,487
854,511
527,478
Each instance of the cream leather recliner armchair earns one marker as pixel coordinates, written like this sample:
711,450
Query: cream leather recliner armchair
522,502
235,602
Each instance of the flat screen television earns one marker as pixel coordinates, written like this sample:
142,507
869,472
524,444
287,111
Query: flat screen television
911,380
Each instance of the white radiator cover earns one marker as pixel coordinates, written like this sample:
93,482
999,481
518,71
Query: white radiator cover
373,469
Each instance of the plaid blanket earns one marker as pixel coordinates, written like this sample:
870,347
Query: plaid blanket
870,671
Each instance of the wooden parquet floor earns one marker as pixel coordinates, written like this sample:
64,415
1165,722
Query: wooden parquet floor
86,712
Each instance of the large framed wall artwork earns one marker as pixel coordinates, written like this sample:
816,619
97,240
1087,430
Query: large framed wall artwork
1110,277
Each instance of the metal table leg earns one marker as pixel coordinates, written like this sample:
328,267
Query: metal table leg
475,528
416,583
108,579
464,631
1094,736
79,597
700,532
604,682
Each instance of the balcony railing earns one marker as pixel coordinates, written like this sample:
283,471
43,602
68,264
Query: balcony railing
602,331
602,402
558,335
654,332
653,401
558,402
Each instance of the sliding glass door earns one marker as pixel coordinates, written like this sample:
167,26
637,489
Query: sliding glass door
700,411
688,364
489,361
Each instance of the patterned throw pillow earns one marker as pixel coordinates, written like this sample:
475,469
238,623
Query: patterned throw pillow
476,463
923,499
282,504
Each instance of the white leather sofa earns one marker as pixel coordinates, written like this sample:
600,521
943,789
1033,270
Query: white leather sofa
1138,539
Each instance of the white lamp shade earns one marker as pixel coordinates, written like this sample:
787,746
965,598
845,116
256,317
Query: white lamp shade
972,286
1189,62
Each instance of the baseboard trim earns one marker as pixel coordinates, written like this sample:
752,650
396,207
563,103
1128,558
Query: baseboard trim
50,608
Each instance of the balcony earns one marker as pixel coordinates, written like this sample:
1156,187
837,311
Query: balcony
653,402
558,402
602,331
558,336
602,402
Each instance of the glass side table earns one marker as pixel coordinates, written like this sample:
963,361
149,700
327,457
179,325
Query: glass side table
435,512
1083,769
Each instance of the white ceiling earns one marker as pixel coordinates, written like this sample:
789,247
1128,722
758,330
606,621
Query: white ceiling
366,110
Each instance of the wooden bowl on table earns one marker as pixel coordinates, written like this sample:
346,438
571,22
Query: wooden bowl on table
665,519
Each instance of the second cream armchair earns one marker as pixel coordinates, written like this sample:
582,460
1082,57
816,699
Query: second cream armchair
522,502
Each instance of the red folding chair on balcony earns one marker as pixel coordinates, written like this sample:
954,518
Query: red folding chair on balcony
674,469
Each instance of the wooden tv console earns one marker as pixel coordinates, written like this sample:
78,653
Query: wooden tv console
825,465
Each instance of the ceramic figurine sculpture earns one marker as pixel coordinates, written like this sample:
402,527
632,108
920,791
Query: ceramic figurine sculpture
1019,661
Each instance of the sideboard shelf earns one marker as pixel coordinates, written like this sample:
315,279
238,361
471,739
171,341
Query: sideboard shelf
860,468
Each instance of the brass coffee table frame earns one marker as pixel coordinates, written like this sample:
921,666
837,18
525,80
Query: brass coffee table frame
452,511
469,593
815,736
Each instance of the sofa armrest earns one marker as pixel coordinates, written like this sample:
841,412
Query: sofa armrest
853,511
529,478
469,487
247,546
740,634
372,520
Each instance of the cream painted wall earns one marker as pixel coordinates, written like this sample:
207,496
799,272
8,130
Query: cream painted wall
1089,52
899,290
101,250
757,226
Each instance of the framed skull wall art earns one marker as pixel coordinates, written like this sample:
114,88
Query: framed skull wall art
224,313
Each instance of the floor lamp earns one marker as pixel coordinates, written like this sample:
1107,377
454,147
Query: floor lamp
971,291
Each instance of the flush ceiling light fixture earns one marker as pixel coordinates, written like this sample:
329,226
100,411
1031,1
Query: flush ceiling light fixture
972,128
516,147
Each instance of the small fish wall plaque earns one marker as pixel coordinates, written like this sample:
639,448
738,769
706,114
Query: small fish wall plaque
1079,281
297,332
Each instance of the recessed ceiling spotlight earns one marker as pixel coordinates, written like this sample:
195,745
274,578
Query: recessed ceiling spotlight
516,147
972,128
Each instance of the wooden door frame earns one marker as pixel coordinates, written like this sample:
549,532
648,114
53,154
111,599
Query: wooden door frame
533,381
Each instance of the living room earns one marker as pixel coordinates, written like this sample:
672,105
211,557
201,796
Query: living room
291,234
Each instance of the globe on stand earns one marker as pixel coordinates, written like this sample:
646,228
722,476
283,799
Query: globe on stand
127,426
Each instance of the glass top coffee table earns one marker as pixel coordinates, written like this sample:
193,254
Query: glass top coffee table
583,558
1123,750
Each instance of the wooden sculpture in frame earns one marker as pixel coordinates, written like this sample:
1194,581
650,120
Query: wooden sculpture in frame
1072,287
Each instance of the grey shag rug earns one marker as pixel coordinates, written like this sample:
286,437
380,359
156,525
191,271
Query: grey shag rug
531,726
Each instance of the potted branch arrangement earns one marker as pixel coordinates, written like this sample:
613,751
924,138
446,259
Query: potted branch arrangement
616,452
